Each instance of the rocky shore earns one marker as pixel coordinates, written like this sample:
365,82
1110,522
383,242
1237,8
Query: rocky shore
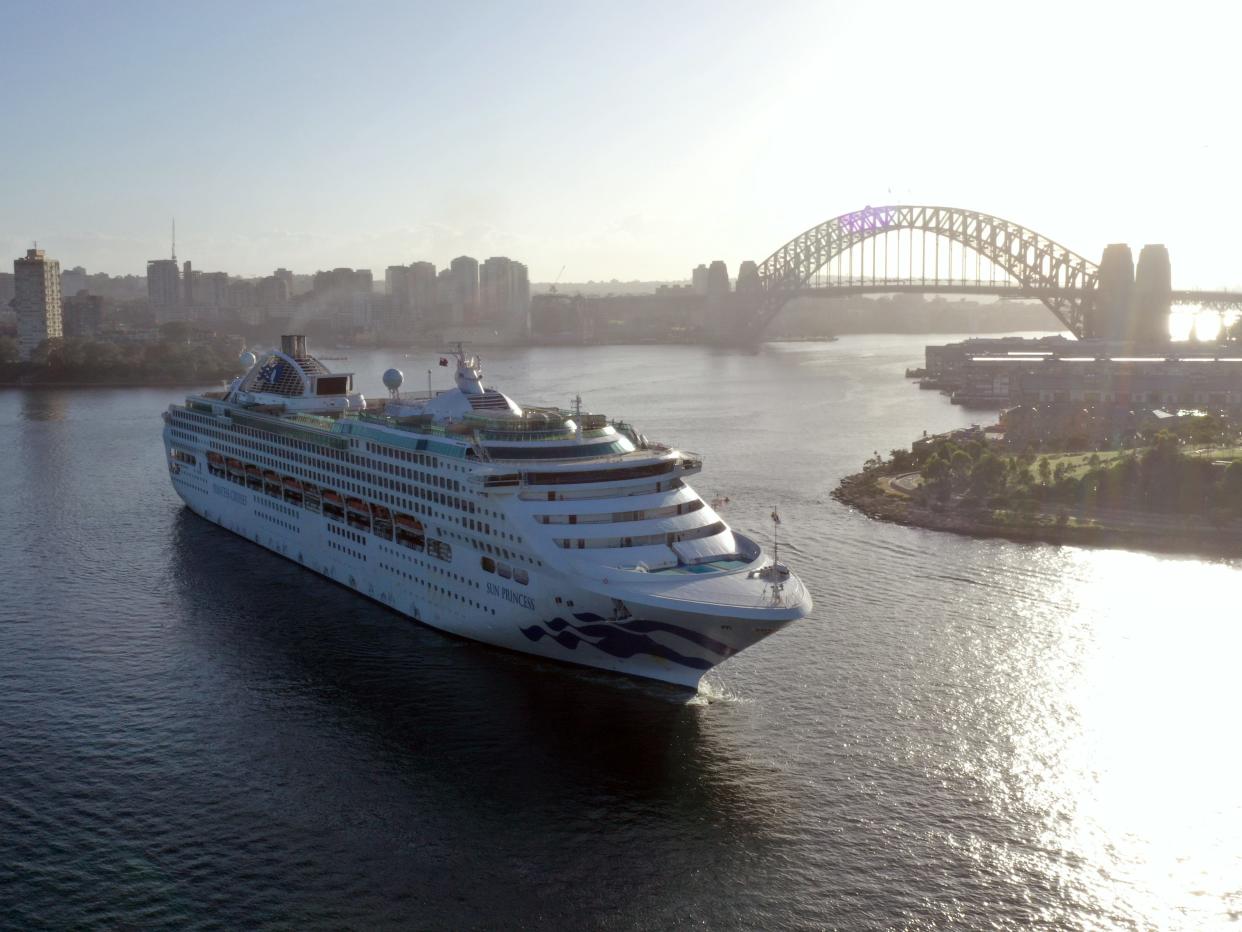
871,493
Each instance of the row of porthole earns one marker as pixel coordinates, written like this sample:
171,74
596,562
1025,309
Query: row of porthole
429,566
443,589
357,538
283,509
285,524
353,553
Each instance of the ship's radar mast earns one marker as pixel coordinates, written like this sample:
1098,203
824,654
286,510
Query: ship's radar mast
469,374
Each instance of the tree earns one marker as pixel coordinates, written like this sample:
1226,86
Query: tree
1045,470
960,465
1231,484
101,357
175,331
48,353
902,460
988,475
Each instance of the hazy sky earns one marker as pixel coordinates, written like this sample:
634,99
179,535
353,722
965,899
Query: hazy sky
628,140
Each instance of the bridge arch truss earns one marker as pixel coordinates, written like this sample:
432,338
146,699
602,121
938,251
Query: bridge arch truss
1038,266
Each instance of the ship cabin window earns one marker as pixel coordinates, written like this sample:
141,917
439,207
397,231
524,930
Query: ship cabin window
503,571
520,576
488,564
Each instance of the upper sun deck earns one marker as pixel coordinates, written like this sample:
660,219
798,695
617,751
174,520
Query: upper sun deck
291,392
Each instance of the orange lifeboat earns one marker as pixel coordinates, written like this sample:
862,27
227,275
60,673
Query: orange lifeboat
332,505
358,514
409,523
410,532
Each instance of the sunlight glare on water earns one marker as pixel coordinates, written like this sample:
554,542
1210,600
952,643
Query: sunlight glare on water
1125,738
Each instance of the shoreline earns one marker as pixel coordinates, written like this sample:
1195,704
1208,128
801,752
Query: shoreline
861,492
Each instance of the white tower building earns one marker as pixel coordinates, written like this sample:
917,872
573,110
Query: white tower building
37,301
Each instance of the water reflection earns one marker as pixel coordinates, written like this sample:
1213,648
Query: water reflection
45,404
450,710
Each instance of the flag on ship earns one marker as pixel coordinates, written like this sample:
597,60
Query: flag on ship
443,361
776,519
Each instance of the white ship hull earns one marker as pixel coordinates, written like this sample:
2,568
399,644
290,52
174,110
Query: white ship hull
575,625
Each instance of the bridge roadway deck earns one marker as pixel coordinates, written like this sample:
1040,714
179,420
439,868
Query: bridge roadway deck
998,289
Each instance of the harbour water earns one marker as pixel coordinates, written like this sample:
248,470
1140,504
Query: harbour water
197,733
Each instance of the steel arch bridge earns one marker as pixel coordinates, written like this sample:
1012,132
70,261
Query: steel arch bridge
1032,265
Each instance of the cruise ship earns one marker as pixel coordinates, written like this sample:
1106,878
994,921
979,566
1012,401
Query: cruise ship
553,532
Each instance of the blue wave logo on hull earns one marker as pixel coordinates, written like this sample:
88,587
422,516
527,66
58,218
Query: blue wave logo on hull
628,638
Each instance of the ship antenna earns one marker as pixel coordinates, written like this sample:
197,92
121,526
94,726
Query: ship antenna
776,543
174,239
578,404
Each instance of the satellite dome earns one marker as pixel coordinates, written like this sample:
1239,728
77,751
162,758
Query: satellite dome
247,359
393,379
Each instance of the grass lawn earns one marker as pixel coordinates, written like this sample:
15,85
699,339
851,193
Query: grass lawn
1077,464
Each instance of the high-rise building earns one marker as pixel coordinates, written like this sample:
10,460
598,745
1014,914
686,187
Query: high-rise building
397,284
163,285
36,301
211,289
273,292
465,271
495,287
72,281
698,279
187,282
504,295
519,301
422,279
287,276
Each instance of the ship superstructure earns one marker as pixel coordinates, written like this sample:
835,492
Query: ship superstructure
554,532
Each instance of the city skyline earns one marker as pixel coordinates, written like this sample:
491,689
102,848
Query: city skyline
687,134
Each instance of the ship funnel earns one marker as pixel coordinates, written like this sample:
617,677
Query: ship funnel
293,344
